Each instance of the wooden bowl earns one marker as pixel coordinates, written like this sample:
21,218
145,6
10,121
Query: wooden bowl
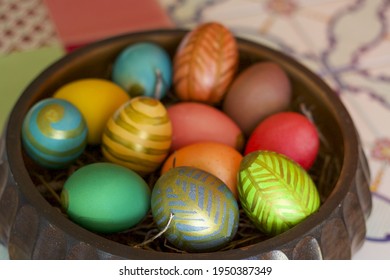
34,229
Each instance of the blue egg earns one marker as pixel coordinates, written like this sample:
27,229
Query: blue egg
54,133
143,69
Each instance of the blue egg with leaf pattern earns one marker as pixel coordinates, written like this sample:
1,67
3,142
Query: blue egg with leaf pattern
54,133
196,211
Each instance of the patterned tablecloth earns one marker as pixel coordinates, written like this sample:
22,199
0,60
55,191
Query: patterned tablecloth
346,42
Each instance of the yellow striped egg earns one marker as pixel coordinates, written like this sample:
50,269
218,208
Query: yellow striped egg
138,135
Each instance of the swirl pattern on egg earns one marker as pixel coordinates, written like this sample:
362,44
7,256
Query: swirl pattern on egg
54,133
138,135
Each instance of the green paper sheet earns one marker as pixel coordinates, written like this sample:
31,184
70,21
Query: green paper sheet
17,70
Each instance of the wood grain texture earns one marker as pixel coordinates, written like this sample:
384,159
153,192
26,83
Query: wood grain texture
205,64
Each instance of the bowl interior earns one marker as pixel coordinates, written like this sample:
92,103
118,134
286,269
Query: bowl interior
311,95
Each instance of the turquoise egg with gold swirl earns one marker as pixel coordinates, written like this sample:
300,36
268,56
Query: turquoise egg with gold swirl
54,133
196,211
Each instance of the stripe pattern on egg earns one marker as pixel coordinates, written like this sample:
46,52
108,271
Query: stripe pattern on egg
138,135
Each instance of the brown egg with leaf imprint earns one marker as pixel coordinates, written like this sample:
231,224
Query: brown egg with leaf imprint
205,64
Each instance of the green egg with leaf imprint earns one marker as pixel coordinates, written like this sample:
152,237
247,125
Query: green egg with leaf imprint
275,192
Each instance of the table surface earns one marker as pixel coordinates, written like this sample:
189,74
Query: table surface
346,42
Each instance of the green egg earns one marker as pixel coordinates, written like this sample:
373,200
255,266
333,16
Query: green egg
275,192
105,197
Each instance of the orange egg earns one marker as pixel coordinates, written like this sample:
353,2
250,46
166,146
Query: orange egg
218,159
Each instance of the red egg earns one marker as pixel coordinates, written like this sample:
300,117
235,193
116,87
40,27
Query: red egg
288,133
194,122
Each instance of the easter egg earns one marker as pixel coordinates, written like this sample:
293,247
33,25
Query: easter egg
54,133
138,135
259,91
105,197
97,100
275,192
288,133
205,212
205,64
143,69
195,122
218,159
